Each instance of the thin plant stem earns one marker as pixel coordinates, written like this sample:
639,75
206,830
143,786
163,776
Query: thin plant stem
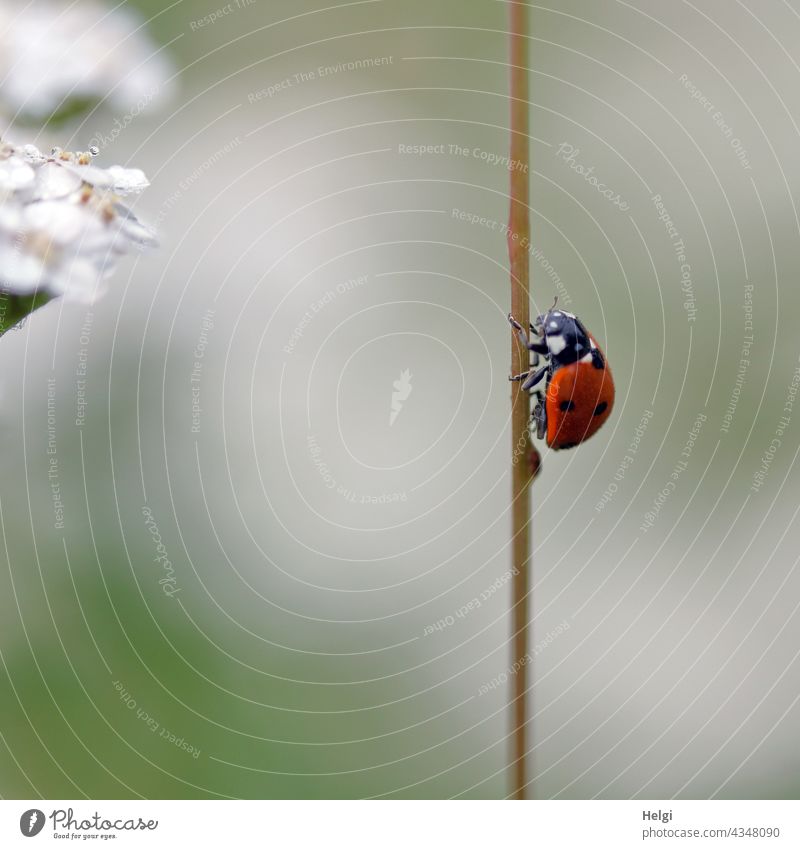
518,245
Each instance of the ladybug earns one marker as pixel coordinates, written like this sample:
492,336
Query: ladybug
579,392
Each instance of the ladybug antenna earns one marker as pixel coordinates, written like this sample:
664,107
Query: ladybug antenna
555,301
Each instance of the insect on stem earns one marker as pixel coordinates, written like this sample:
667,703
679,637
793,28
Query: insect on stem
518,243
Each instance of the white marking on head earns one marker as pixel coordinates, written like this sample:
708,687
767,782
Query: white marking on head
586,359
554,325
556,344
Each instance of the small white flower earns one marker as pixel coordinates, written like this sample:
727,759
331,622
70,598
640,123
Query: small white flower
53,52
15,175
122,181
62,225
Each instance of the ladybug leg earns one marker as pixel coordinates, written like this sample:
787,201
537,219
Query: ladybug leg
540,416
537,347
531,378
517,326
535,377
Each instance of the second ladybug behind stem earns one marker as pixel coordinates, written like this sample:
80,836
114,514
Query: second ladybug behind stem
579,388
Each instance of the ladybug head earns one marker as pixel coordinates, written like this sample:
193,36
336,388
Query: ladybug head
540,323
567,340
553,322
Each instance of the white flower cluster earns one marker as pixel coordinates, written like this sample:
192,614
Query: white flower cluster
51,53
62,225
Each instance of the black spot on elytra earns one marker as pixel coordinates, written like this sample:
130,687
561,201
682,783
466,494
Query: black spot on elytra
567,405
567,445
600,408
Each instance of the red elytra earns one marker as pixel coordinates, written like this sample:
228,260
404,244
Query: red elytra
579,400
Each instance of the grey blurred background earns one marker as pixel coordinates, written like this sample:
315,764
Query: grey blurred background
310,547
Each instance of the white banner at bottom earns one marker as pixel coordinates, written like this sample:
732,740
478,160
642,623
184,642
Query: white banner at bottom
402,824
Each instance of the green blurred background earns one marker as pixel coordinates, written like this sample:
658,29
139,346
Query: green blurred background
312,545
